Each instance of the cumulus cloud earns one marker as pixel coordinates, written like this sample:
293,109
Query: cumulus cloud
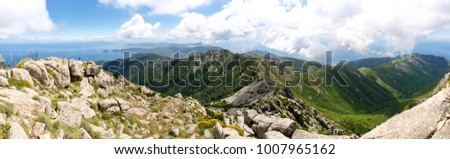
137,28
315,26
158,6
20,16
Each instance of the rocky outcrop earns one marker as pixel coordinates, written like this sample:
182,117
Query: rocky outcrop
251,93
21,74
71,113
39,72
16,131
426,120
114,105
3,82
273,135
223,133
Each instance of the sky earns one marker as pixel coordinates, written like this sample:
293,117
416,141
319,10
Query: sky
307,28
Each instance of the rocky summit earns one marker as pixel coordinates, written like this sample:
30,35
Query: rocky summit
57,98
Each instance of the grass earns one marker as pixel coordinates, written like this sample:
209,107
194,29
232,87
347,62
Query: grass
19,84
5,109
51,73
49,125
4,131
54,103
20,64
36,98
87,127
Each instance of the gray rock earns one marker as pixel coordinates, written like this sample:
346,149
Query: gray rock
85,134
51,112
2,121
260,129
60,134
3,82
39,72
114,105
38,129
285,126
248,130
60,69
179,96
93,70
76,68
249,115
443,131
86,90
108,134
191,128
207,133
136,111
71,113
222,133
21,74
45,136
16,131
175,132
274,135
301,134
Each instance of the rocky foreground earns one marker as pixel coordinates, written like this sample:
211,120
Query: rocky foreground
56,98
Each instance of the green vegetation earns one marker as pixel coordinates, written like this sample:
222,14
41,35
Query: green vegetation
88,128
36,98
19,84
20,64
4,130
49,125
51,73
7,110
377,89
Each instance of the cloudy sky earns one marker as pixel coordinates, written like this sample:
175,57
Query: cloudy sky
303,27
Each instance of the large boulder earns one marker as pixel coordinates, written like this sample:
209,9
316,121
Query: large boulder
39,72
3,82
59,69
76,69
114,105
16,131
21,74
249,115
302,134
92,69
285,126
273,135
86,89
222,133
71,113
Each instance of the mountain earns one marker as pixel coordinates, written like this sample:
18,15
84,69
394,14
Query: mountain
369,92
170,49
427,120
56,98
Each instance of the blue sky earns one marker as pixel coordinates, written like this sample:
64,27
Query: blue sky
298,27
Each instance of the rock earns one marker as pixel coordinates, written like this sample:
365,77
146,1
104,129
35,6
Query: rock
71,113
45,136
443,131
175,132
114,105
16,131
274,135
39,72
207,133
60,70
301,134
106,80
179,96
136,111
38,129
51,112
76,69
3,82
191,128
86,90
21,74
109,134
248,130
4,73
239,137
420,122
60,134
93,70
124,136
249,115
222,133
2,121
260,129
23,103
285,126
85,134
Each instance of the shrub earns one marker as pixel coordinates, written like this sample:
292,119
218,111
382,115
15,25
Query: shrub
54,103
19,84
4,130
206,124
49,125
36,98
8,110
20,64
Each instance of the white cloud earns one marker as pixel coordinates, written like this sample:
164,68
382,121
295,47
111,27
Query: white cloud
20,16
158,6
321,25
137,28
